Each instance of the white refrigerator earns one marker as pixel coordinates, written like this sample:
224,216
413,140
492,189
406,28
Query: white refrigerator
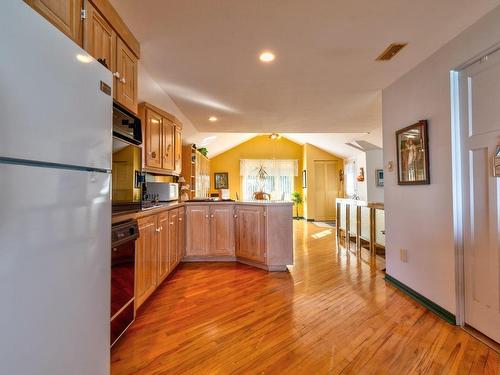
55,209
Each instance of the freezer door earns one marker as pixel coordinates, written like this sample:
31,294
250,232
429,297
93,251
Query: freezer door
51,105
54,271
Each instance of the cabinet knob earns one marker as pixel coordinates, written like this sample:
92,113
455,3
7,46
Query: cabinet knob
235,216
180,219
211,215
171,223
157,229
116,75
123,80
206,216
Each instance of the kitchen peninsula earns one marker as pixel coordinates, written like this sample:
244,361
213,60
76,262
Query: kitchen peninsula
257,233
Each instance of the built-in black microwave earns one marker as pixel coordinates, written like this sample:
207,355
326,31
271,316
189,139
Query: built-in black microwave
126,125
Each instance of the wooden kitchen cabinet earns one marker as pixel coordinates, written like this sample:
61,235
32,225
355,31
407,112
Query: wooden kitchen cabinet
221,230
168,130
159,249
250,232
146,259
178,150
163,246
181,248
126,76
99,38
162,134
63,14
153,139
173,240
197,230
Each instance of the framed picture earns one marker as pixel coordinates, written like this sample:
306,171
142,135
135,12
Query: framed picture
413,154
379,177
221,180
304,179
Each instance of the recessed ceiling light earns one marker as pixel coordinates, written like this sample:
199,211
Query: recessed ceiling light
266,56
212,119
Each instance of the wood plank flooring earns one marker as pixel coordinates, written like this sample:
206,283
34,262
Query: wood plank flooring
331,314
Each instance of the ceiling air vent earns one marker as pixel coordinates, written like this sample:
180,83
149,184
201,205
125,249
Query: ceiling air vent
391,51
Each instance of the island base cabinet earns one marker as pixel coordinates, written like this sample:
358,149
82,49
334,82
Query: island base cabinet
260,235
158,251
250,233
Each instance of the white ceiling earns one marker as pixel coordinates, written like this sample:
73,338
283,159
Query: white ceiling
204,54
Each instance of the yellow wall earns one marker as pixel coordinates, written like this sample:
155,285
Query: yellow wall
259,147
310,154
125,163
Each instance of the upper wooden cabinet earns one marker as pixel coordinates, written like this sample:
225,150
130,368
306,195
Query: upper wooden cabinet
178,150
162,134
168,130
66,15
126,76
96,26
99,38
152,123
251,233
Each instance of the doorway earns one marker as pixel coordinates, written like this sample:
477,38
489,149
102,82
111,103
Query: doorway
477,210
326,189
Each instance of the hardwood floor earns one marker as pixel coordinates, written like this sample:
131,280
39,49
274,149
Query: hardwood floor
331,314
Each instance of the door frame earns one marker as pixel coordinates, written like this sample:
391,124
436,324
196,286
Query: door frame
457,182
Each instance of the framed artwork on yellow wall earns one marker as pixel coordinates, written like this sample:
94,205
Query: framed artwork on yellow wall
221,180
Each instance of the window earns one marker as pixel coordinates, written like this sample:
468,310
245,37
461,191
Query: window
277,177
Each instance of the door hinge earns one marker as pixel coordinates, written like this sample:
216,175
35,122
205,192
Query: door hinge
83,14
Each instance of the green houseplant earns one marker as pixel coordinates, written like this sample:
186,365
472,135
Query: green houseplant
297,201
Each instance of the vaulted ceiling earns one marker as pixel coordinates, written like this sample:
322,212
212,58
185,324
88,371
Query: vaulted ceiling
204,54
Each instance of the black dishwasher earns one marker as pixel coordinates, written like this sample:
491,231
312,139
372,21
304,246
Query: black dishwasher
123,237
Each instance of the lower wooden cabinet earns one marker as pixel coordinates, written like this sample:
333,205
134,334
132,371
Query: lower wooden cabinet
198,230
173,240
210,230
251,233
163,246
158,250
146,259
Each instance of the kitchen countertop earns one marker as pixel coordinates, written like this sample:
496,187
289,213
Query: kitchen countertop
123,216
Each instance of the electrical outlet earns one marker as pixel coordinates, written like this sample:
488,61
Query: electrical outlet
403,255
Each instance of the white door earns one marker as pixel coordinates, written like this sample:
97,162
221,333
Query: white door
480,131
326,186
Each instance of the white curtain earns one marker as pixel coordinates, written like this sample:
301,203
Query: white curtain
279,180
350,178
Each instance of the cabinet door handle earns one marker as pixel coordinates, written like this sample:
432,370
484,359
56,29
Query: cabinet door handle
116,75
180,219
206,216
152,154
171,223
158,229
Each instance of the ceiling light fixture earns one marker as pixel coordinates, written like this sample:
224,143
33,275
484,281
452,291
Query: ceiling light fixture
212,119
274,136
266,56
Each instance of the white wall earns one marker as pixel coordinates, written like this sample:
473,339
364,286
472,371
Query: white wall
361,187
374,161
151,92
419,218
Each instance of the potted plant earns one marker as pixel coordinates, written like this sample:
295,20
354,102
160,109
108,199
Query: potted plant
297,201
